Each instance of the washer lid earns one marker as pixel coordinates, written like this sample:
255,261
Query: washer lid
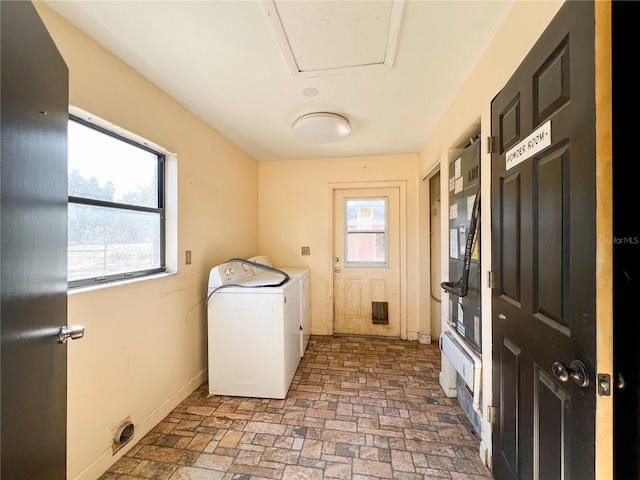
267,279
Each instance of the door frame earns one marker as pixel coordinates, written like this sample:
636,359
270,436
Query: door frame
604,421
428,281
401,185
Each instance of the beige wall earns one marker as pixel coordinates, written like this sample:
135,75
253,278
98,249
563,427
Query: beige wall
470,113
145,344
296,210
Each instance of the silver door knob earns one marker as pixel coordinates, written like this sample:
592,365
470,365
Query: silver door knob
576,371
74,332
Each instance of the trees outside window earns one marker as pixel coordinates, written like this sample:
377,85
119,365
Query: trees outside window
116,211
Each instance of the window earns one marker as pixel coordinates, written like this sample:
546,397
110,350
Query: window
116,207
366,232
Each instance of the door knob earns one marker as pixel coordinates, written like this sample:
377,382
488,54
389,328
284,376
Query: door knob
74,332
576,371
336,269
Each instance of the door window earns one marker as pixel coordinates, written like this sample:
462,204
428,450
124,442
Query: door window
366,232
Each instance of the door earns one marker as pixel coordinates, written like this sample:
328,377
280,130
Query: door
434,256
33,248
366,279
543,234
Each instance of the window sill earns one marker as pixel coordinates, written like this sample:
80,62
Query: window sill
119,283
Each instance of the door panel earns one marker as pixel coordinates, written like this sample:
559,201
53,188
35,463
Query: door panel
33,248
543,222
366,297
550,427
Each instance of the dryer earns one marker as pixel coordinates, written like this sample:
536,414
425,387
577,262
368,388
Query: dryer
253,331
304,274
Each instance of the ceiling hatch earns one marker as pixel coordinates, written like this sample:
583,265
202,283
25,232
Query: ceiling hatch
320,36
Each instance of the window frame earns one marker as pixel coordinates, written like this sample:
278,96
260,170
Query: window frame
385,233
160,209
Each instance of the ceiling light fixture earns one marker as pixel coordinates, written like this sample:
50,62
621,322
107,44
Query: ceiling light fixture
322,128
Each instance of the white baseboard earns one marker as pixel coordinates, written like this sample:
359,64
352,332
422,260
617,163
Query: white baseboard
419,337
101,464
449,390
485,455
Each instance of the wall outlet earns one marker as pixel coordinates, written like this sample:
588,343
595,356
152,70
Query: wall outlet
306,250
187,257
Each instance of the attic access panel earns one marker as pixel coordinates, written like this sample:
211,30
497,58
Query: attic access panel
326,35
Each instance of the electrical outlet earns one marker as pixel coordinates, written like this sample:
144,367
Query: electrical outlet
187,257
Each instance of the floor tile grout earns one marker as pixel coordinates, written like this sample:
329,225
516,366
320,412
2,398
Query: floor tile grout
358,408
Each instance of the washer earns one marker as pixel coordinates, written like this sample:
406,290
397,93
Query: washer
253,332
304,274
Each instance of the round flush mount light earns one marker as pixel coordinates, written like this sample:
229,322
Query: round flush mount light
322,128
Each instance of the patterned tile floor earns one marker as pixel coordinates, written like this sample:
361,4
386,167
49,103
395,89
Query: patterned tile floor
358,408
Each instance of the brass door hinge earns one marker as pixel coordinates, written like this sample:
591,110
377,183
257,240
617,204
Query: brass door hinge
490,144
493,415
491,280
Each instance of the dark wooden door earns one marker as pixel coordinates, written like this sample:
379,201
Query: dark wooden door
33,244
543,232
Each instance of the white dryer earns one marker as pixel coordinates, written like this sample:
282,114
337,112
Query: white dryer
304,275
253,331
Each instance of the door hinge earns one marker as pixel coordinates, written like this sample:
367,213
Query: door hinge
493,415
491,281
490,141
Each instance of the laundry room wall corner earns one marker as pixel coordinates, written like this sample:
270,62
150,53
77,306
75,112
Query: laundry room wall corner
308,222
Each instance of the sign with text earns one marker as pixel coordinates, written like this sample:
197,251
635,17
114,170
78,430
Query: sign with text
537,141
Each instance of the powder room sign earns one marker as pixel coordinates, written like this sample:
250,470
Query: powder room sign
535,142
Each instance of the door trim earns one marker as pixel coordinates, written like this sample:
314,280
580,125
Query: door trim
427,245
401,185
604,233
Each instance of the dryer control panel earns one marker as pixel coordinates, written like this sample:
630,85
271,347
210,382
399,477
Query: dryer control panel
229,273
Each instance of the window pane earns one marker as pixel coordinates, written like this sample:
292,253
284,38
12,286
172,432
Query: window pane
366,247
369,214
108,241
102,167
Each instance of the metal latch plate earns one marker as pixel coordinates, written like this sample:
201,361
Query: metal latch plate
604,384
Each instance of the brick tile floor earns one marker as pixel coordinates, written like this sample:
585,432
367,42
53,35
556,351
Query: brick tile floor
358,408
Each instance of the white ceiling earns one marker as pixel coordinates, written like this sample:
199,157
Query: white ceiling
250,68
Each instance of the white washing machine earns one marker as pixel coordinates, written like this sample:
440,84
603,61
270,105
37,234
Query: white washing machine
304,274
253,331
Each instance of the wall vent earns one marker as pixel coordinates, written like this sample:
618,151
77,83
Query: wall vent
123,435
